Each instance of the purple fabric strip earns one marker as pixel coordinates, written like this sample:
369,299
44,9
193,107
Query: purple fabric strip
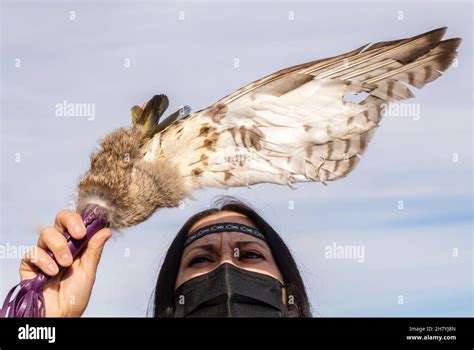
29,299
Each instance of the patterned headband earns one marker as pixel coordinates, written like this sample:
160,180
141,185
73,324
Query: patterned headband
223,227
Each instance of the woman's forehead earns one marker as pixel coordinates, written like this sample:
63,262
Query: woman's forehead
229,237
222,216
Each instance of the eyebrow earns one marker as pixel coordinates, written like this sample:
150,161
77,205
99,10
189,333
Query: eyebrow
211,246
242,244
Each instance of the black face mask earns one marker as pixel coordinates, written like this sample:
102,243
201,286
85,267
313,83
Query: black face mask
229,291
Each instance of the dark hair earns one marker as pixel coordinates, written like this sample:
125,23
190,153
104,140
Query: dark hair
164,298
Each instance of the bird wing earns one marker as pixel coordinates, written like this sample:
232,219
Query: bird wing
296,124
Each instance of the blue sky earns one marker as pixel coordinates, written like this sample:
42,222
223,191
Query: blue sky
408,252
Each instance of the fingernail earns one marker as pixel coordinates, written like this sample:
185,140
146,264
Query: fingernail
66,258
77,229
52,268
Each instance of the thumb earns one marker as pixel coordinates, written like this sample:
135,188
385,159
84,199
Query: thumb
91,255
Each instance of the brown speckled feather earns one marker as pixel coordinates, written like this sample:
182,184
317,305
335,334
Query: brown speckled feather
294,125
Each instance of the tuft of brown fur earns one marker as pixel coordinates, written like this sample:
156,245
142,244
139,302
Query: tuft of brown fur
129,188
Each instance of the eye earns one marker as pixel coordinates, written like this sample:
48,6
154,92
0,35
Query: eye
251,256
200,260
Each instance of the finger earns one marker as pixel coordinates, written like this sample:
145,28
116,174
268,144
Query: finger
28,270
51,239
72,222
37,259
91,255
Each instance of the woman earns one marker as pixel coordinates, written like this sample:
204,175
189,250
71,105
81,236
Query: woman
224,262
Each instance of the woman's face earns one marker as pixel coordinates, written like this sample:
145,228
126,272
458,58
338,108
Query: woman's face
239,249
